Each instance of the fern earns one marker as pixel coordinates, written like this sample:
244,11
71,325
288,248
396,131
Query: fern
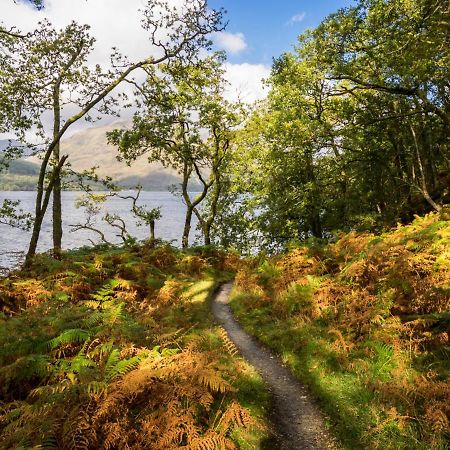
79,363
228,343
93,320
48,391
105,293
111,363
235,416
49,442
211,441
88,370
77,432
73,336
114,314
116,368
26,367
99,350
383,362
96,388
213,381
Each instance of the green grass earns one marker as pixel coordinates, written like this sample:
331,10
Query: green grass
358,418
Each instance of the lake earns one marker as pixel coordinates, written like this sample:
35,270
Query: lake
169,227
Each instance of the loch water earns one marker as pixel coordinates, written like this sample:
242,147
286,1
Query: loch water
14,242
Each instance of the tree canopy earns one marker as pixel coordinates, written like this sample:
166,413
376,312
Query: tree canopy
354,133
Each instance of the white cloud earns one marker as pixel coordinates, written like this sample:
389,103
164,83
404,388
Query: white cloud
114,23
297,18
246,81
232,43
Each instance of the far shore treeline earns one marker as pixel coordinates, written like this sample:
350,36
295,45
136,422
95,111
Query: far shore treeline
352,136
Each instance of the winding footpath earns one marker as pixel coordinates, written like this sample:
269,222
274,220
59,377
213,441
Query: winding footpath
298,424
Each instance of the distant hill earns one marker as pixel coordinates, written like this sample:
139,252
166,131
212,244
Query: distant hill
20,176
23,167
88,148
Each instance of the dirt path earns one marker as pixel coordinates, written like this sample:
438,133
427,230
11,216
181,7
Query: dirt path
297,421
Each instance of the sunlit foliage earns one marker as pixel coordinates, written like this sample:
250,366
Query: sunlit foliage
365,322
112,349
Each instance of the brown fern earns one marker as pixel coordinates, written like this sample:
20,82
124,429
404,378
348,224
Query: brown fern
228,343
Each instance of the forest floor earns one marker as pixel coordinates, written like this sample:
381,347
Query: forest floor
117,348
363,323
297,420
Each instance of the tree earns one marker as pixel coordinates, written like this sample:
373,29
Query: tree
91,203
44,63
10,215
185,123
354,133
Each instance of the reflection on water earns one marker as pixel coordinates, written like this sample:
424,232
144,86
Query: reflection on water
13,241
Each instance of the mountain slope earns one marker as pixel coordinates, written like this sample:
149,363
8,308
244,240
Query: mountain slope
21,175
89,148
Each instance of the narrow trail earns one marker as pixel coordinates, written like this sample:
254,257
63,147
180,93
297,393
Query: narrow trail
298,424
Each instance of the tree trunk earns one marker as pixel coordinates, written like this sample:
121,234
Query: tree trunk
188,217
192,205
315,222
41,206
34,239
208,236
213,210
57,204
152,230
187,228
423,188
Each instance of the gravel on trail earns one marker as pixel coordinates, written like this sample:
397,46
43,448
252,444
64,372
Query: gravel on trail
297,421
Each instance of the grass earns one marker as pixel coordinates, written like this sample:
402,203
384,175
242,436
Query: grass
364,323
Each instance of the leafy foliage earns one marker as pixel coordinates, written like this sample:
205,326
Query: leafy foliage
353,134
112,349
364,321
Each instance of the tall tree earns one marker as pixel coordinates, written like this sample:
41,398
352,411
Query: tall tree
46,66
355,128
186,124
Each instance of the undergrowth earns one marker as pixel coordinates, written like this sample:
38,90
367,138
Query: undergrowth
114,349
365,323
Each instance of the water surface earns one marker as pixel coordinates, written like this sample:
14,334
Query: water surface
169,227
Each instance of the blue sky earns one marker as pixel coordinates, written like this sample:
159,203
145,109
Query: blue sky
271,27
258,31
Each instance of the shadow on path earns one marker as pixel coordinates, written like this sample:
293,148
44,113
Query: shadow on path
297,421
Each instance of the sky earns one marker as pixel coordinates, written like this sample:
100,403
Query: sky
265,29
257,30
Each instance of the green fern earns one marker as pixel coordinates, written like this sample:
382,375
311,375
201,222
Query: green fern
93,320
116,368
99,351
96,387
73,336
80,362
383,362
114,314
26,367
49,442
106,292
